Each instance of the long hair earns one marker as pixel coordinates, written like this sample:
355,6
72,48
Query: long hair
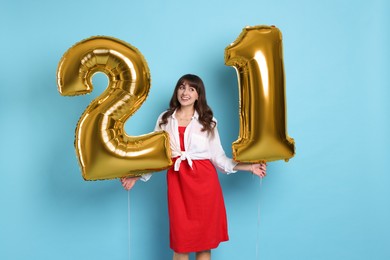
204,111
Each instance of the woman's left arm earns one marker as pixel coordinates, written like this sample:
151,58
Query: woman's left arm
218,156
225,164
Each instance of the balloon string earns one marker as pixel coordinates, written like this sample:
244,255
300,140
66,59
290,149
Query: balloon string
258,220
128,218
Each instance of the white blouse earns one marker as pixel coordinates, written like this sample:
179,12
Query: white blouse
199,145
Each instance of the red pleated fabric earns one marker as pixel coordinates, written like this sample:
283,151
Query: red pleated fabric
197,214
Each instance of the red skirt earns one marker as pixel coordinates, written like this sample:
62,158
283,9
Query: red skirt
197,214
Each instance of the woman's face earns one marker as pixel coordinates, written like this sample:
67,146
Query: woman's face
187,95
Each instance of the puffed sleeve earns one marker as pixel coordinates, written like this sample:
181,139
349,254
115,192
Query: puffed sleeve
218,156
145,177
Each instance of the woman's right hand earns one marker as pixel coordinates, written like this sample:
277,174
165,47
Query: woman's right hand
128,182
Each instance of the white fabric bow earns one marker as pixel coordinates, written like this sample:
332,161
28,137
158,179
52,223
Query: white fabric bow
183,156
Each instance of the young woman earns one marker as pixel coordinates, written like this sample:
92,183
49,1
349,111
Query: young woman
196,207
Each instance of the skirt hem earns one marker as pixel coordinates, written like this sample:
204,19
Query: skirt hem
186,250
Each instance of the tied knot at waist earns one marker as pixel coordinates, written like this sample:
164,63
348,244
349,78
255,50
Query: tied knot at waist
183,156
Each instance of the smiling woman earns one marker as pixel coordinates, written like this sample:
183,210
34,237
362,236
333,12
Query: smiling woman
196,207
331,201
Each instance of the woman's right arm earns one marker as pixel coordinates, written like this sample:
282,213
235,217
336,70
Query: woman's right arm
128,183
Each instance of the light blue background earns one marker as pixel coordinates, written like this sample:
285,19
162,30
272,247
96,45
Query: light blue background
331,201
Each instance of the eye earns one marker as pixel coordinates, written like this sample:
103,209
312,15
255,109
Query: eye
192,89
182,86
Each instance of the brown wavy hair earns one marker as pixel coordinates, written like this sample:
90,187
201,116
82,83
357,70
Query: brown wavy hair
204,111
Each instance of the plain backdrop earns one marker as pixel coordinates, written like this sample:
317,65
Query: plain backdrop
331,201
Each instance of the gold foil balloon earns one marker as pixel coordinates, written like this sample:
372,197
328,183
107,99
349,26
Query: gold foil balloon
258,59
103,148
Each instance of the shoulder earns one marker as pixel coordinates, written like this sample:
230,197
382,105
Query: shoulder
215,121
160,117
158,121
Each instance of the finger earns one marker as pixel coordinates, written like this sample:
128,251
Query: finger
258,173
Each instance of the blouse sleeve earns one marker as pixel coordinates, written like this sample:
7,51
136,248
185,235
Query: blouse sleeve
218,156
157,127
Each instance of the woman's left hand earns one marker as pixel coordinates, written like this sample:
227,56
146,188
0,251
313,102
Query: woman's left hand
259,169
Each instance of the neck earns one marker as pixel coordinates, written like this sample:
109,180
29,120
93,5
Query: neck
186,111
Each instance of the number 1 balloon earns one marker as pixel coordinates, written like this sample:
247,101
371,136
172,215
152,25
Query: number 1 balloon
258,59
103,148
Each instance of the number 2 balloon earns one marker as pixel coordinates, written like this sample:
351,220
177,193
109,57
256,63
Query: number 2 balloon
103,148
